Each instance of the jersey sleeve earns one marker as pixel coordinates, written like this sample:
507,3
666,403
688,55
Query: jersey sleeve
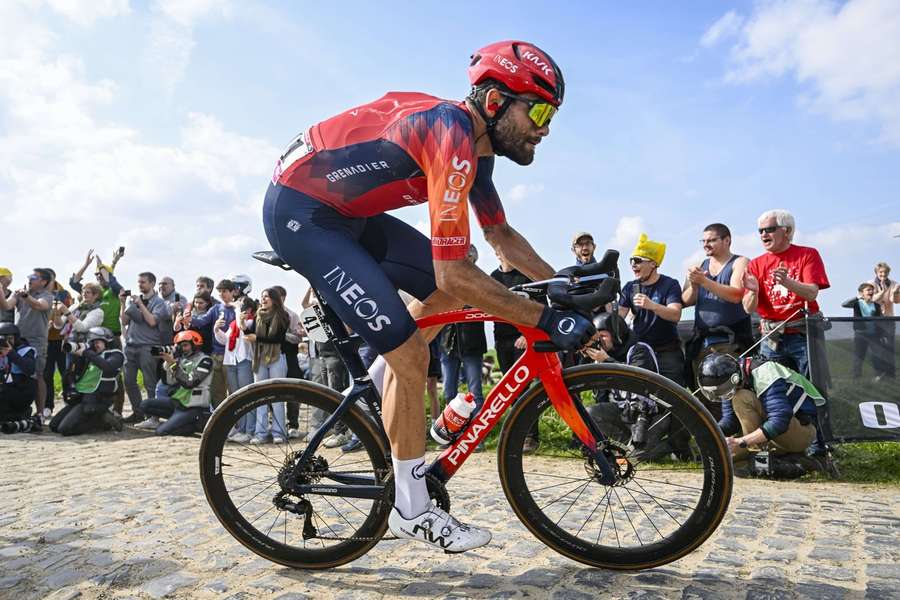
484,198
440,140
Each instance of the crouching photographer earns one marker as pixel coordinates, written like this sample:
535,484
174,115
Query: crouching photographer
95,371
187,374
17,382
631,418
768,413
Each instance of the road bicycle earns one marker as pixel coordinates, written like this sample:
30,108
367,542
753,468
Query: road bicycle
587,494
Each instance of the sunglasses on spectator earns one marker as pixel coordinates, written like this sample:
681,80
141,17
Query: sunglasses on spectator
710,240
771,229
637,261
539,112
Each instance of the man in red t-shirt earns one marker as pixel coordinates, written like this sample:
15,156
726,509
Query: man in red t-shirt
779,284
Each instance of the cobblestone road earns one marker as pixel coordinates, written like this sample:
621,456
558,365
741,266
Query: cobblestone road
123,516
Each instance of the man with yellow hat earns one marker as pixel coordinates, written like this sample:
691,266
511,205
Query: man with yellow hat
6,316
655,301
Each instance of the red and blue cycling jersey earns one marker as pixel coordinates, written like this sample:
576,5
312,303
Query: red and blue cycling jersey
404,148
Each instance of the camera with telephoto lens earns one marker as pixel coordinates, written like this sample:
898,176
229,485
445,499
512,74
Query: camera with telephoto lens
75,347
636,412
21,426
159,350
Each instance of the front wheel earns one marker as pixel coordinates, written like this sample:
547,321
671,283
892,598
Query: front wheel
673,484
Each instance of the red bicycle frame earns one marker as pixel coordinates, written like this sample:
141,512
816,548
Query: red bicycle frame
531,365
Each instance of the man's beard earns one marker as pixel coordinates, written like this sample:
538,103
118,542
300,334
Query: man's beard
508,142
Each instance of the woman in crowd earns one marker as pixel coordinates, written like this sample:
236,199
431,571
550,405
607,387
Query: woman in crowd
74,324
201,303
268,333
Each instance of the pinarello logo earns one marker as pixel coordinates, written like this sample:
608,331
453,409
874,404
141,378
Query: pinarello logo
566,325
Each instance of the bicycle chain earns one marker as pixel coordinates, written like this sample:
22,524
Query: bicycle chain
384,474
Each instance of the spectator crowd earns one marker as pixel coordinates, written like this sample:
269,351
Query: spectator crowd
192,350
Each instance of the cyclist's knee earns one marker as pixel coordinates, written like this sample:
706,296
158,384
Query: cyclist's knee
410,356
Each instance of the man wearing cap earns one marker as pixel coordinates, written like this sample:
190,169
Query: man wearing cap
6,316
655,301
32,306
583,247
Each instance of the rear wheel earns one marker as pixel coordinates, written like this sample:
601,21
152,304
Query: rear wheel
671,492
247,485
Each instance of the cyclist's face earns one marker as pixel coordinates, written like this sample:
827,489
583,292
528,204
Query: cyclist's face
516,135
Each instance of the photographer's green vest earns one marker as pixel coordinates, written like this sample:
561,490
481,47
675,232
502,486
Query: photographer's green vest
92,380
110,305
198,396
799,388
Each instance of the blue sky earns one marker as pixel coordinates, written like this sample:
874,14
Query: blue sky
156,124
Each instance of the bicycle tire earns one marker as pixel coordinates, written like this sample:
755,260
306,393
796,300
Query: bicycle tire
705,514
216,461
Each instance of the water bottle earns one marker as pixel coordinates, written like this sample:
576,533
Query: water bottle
453,419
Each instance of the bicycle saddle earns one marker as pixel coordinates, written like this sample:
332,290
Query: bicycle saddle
270,257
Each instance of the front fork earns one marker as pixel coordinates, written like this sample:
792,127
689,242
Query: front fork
573,413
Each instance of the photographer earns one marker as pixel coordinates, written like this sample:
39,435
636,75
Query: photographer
188,375
109,303
32,305
144,315
629,417
765,407
224,311
97,367
17,376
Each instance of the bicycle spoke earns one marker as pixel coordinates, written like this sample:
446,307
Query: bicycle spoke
255,496
571,504
687,487
565,495
596,506
627,516
641,506
663,508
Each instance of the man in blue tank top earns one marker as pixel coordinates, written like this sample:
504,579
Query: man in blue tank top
715,289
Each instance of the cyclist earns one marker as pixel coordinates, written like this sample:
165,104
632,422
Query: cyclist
324,215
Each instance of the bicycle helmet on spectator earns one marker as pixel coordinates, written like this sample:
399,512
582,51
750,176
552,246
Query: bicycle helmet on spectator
99,333
9,329
719,376
191,336
243,283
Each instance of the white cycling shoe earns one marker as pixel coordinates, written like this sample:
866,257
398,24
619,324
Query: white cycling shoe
438,528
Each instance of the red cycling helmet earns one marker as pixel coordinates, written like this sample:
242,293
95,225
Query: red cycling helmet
520,66
189,336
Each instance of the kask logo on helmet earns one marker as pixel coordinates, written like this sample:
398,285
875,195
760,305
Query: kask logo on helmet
538,61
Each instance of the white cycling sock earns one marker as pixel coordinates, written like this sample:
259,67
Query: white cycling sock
376,372
410,491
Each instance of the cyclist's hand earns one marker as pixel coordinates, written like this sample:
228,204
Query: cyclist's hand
567,329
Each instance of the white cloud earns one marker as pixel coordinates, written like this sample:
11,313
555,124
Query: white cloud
626,235
86,12
522,191
727,26
846,56
170,41
71,178
188,12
